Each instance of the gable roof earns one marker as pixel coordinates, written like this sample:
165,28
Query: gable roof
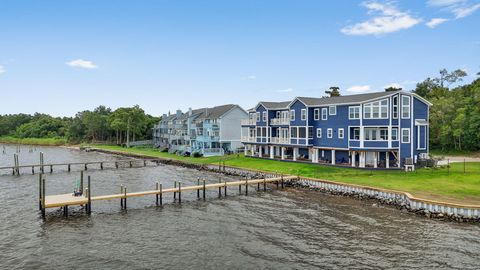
309,101
272,105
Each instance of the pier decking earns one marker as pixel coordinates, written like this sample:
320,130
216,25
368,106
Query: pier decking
65,200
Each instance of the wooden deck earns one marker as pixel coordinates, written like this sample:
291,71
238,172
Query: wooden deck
65,200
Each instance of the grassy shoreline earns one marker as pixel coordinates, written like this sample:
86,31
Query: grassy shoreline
442,184
34,141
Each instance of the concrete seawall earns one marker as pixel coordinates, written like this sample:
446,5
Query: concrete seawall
399,199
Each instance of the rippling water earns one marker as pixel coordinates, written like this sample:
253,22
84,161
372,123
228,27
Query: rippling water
282,229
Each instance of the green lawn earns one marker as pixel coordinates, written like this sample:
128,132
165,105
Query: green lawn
437,184
34,141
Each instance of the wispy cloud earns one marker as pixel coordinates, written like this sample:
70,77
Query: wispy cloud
459,8
443,3
2,69
285,90
435,22
249,77
461,12
387,19
79,63
359,88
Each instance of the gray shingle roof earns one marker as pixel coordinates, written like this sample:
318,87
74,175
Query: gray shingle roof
309,101
275,105
215,112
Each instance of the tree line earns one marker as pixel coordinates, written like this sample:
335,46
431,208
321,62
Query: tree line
100,125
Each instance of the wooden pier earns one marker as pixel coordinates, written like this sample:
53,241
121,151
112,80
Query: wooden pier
42,168
66,200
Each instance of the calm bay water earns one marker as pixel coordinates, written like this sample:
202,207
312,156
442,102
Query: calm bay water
283,229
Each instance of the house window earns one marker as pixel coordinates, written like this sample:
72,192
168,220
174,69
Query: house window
316,114
292,115
394,134
354,112
310,132
258,116
356,134
302,132
405,107
376,110
383,134
395,107
265,116
332,110
341,133
293,132
319,133
324,113
329,133
405,135
278,114
303,114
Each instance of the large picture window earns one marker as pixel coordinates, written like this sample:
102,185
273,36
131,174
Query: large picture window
376,110
354,112
405,107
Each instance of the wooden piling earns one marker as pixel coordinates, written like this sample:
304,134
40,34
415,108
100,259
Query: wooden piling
144,163
89,211
225,191
43,197
156,195
121,199
204,190
219,189
246,187
40,192
33,169
174,193
264,183
116,165
51,168
101,165
282,180
179,192
69,167
125,198
85,167
131,164
161,195
198,190
81,181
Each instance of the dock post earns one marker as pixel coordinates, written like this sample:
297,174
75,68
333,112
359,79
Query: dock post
40,192
144,163
281,179
246,187
69,167
33,169
121,199
86,168
101,165
276,182
14,163
161,194
41,162
219,188
43,197
131,164
51,168
179,192
264,183
223,165
89,209
174,193
198,190
240,189
81,181
225,191
116,165
204,190
156,195
258,186
65,211
125,197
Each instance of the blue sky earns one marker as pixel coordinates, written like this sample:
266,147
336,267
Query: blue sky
60,57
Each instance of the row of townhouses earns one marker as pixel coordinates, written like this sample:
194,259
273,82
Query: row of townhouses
384,129
209,131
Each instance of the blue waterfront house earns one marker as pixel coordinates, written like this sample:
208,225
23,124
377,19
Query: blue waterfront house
383,129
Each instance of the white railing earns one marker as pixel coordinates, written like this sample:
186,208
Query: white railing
208,152
279,140
248,139
279,121
249,121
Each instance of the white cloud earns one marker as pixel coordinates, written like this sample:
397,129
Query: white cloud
249,77
394,85
389,19
443,3
461,12
82,64
359,88
436,22
285,90
2,69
